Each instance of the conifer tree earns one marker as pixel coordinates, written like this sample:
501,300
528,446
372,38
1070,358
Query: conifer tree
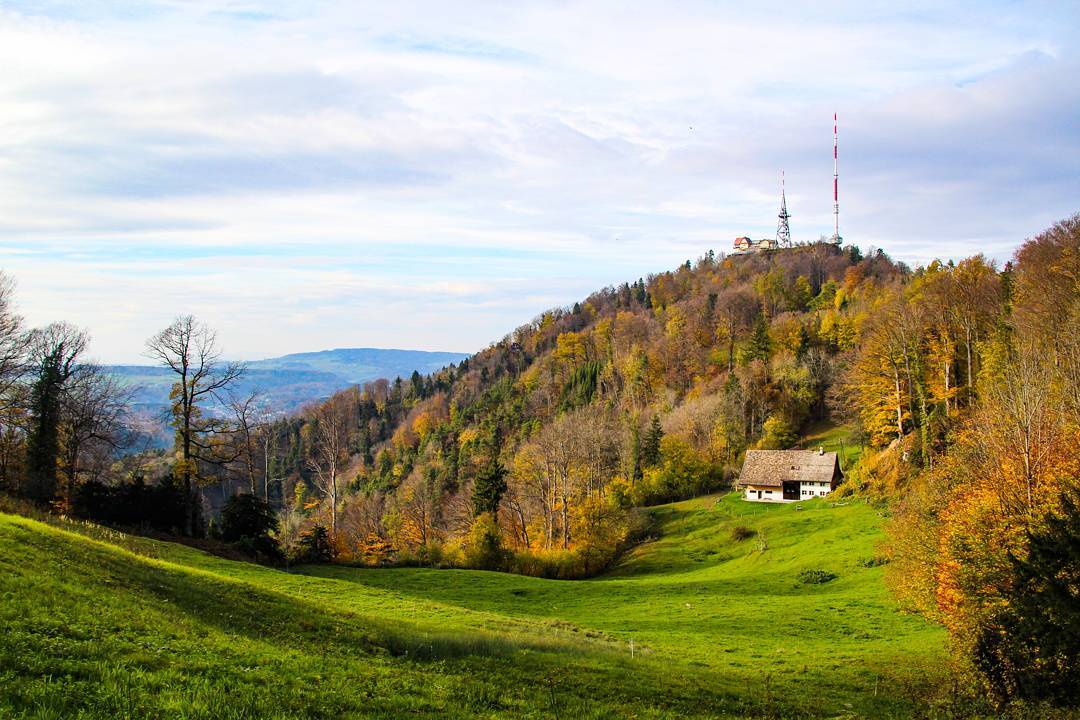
650,447
488,487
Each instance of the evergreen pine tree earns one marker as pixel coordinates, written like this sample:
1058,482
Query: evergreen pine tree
760,344
650,447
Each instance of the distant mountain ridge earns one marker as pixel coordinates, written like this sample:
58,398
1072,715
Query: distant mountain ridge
291,381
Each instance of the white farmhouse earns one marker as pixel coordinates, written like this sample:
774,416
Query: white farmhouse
789,475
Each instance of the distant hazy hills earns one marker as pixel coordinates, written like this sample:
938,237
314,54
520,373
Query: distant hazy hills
291,381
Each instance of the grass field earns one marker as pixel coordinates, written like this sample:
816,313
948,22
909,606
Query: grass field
841,439
98,624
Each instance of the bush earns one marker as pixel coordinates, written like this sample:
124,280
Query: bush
874,561
550,564
741,532
484,549
602,530
816,577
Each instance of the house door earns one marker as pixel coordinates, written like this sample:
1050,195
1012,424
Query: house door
758,494
791,490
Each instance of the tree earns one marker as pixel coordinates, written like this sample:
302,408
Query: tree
248,425
650,446
13,401
778,434
489,486
977,289
13,341
314,546
760,347
484,549
94,410
248,520
245,515
190,350
54,355
557,447
1031,648
412,516
329,454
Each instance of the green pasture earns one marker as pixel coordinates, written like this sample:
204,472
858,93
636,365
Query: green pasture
695,623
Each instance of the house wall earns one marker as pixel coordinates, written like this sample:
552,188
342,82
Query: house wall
807,490
768,494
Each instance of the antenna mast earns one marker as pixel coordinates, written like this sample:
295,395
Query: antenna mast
783,230
835,184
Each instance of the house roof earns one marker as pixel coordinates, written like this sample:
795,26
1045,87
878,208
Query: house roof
770,468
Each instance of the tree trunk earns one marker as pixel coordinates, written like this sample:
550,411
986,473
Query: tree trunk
899,403
948,407
967,348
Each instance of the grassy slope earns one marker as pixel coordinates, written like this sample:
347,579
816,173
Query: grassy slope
120,626
834,438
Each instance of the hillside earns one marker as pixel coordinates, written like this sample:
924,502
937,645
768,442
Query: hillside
291,381
120,626
645,392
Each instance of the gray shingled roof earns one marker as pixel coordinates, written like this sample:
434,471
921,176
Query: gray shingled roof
769,468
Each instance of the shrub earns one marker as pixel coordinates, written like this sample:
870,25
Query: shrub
484,549
816,577
874,561
741,532
550,564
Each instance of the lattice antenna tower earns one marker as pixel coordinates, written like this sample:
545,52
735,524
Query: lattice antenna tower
783,229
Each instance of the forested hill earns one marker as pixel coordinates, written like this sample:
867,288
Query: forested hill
647,391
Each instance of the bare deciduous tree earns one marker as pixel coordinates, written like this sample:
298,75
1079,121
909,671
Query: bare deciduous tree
329,454
13,341
93,423
190,350
249,425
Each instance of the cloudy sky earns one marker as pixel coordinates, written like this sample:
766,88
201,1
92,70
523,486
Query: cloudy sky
309,175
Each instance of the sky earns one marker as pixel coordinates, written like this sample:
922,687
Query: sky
312,175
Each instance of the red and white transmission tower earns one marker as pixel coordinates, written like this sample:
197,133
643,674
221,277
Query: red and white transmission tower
835,184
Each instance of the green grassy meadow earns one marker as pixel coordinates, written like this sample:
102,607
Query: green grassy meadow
98,624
